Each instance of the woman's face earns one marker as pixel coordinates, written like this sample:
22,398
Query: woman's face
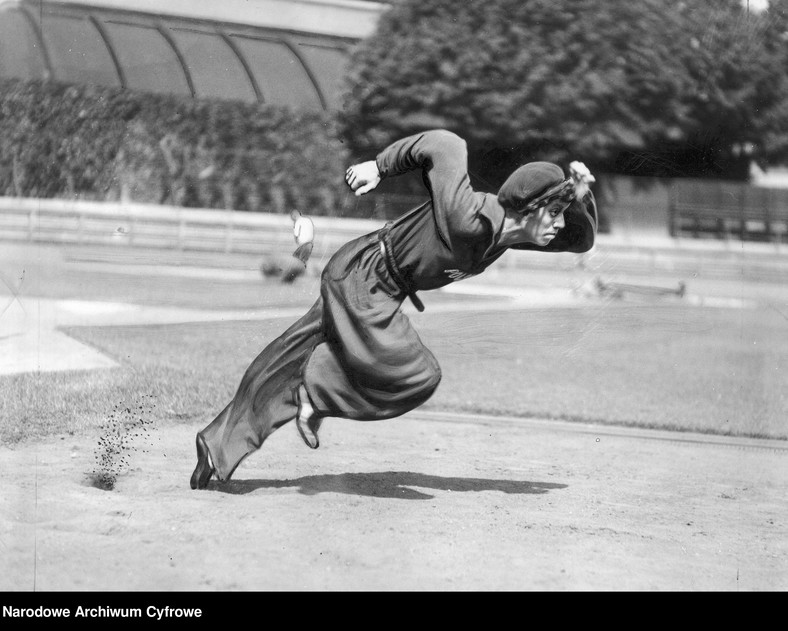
542,225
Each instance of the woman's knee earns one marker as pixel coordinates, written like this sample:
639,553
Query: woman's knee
432,373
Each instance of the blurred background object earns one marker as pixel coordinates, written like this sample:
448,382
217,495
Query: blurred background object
235,105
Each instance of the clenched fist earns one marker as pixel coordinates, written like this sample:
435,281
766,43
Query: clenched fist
363,177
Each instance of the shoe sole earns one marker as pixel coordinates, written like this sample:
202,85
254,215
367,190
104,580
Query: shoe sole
203,471
308,434
310,438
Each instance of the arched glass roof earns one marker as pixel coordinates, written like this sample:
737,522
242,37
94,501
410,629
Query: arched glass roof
214,66
147,59
21,53
173,55
76,50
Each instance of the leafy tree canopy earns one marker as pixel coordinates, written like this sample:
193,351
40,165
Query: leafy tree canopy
654,87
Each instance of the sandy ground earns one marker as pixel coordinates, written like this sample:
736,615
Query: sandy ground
425,502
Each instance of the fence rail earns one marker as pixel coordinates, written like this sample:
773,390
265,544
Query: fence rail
127,227
139,225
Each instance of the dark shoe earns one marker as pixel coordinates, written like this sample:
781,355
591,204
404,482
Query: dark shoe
307,424
204,470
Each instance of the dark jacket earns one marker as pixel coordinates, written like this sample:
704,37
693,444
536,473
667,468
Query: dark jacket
455,234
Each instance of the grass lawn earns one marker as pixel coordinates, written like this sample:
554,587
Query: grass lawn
670,367
708,370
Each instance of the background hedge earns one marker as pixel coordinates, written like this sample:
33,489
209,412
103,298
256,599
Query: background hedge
88,142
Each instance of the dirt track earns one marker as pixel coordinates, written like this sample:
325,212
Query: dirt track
424,502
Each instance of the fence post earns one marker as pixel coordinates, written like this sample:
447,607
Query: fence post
672,212
30,221
228,235
181,229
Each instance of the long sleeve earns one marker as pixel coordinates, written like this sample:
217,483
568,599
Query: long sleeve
443,158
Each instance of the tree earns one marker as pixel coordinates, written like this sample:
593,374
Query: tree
655,87
770,122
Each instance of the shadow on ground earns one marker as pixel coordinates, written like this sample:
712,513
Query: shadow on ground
389,484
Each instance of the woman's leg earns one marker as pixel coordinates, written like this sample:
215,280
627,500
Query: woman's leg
264,399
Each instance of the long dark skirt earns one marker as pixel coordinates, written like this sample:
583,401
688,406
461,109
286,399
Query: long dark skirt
355,351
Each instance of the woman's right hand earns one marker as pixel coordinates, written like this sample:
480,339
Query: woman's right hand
363,177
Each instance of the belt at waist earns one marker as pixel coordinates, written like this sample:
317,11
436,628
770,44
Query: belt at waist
387,252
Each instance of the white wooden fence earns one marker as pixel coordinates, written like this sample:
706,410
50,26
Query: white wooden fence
142,225
164,227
